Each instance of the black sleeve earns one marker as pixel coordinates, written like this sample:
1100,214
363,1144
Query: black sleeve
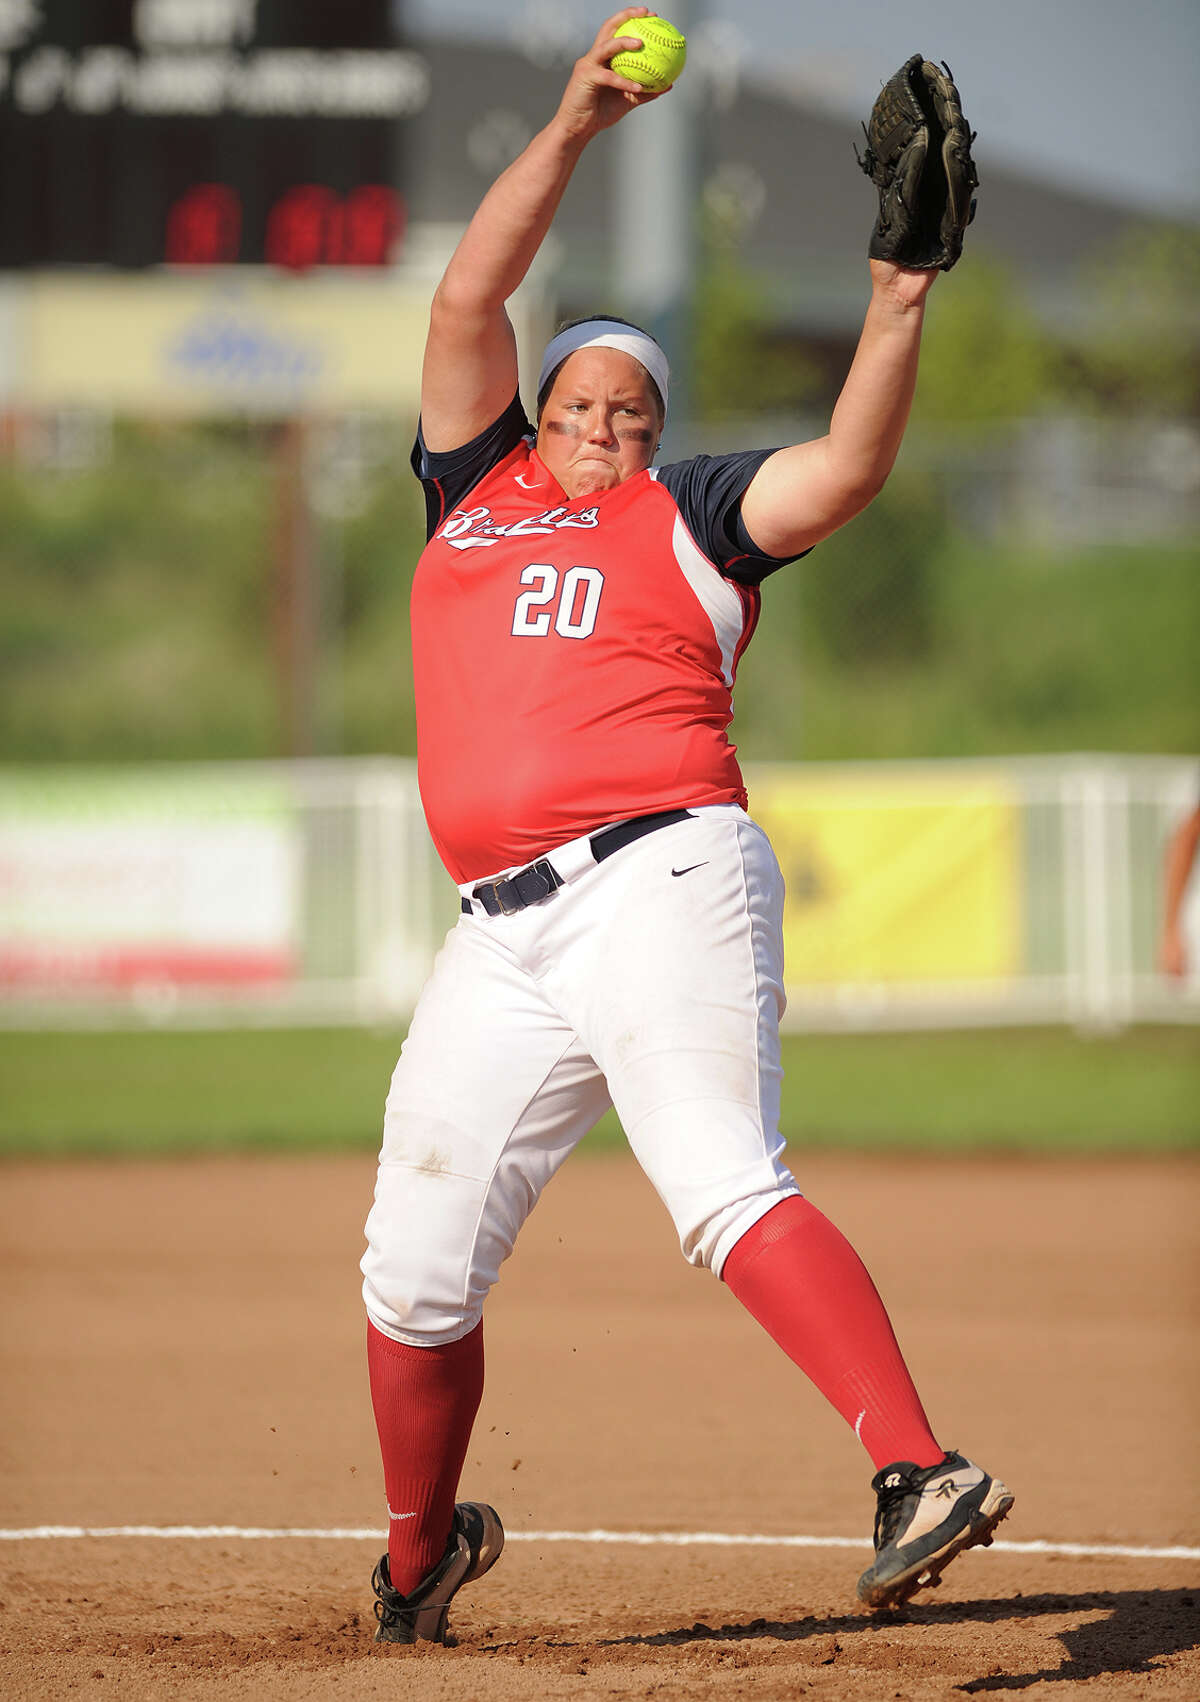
448,475
708,490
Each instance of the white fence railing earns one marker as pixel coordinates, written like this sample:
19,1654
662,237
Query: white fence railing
1002,891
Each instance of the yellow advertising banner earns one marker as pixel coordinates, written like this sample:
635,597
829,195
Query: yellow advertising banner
894,876
212,342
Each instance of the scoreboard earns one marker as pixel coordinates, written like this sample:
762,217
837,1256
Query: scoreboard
140,133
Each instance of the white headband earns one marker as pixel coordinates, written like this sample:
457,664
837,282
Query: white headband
607,334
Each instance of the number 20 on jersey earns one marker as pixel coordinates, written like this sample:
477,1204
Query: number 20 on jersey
569,606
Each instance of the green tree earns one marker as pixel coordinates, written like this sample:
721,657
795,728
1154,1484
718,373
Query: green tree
1138,350
738,367
984,356
871,589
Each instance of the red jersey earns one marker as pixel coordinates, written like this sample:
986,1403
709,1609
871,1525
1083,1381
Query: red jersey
574,660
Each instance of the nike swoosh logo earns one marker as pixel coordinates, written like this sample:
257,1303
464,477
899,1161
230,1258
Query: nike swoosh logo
397,1516
690,867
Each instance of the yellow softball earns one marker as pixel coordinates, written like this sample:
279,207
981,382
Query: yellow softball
659,60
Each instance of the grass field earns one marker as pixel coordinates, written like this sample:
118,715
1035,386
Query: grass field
1023,1091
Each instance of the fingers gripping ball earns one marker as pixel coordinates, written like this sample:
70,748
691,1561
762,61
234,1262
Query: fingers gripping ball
659,60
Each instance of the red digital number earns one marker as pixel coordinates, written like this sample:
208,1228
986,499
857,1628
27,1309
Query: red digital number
307,226
311,226
373,226
204,227
298,227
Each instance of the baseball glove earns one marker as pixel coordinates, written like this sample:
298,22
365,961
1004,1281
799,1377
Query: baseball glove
919,159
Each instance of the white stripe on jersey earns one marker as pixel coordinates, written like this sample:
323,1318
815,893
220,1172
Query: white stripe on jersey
715,595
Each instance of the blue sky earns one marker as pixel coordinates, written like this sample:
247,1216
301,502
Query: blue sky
1096,94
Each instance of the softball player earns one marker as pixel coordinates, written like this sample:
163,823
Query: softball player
1183,848
577,620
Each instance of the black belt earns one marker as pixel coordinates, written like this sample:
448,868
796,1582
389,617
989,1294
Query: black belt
539,880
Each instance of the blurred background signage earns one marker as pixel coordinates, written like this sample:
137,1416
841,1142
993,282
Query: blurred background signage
136,133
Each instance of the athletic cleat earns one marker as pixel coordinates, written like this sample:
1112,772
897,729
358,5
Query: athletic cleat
476,1538
924,1517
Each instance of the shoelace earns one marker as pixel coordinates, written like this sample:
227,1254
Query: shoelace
390,1605
889,1510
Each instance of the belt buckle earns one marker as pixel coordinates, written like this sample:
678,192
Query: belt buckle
531,884
507,896
486,897
548,875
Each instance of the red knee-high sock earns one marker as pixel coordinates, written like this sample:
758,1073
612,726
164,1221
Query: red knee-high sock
808,1288
425,1401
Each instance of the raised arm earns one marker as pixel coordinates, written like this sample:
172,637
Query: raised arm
803,493
470,370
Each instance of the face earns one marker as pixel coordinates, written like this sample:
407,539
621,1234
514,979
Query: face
601,422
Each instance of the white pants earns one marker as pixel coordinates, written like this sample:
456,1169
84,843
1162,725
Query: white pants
652,981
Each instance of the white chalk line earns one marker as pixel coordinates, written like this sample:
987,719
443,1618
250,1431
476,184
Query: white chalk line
637,1539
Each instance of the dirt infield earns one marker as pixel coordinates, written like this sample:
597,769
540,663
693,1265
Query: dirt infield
182,1346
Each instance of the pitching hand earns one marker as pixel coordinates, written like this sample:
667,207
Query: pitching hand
596,97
